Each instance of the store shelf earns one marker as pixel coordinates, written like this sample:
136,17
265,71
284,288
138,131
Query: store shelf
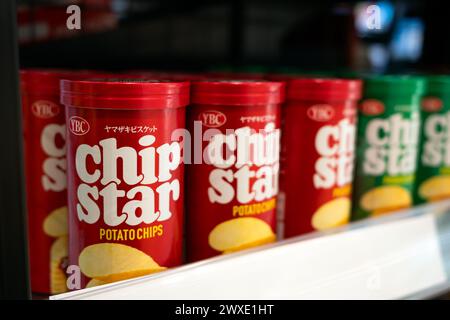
400,256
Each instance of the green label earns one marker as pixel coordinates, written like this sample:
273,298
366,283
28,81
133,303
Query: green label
433,170
386,160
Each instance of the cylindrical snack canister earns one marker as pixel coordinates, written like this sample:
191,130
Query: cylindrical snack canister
432,181
318,142
233,178
125,177
387,145
45,173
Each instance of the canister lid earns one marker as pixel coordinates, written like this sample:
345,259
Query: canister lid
323,89
237,92
123,93
438,85
393,85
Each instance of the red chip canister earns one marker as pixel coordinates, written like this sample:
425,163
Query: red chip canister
318,143
233,178
125,177
45,173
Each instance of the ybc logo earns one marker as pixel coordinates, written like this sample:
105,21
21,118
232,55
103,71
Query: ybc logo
45,109
372,107
320,112
212,119
78,126
432,104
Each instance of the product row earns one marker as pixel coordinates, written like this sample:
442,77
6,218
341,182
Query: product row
122,170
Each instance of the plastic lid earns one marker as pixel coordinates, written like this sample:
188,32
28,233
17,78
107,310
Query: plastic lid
237,92
323,89
438,85
393,85
46,81
123,93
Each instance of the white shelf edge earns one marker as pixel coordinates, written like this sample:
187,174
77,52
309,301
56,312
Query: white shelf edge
411,240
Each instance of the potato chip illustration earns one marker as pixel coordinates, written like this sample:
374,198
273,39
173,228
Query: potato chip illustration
59,249
131,274
113,262
385,199
55,224
332,214
251,245
435,188
57,277
240,233
383,211
95,282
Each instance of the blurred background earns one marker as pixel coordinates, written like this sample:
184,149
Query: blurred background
338,38
238,35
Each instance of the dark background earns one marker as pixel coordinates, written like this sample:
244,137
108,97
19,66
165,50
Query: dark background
242,35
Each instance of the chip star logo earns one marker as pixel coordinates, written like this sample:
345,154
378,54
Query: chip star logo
78,126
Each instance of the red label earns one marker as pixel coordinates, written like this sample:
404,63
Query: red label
317,168
125,193
432,104
372,107
232,205
212,118
45,173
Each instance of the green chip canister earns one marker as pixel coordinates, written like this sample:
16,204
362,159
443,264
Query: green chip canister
387,145
433,165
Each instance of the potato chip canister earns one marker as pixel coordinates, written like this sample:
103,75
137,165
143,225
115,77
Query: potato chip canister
318,143
387,145
233,177
44,133
125,176
432,181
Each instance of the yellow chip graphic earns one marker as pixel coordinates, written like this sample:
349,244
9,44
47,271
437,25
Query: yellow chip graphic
57,278
131,274
95,282
251,245
59,249
385,198
55,224
332,214
112,262
240,233
435,188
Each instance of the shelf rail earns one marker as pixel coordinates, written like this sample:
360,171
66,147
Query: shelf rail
405,255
